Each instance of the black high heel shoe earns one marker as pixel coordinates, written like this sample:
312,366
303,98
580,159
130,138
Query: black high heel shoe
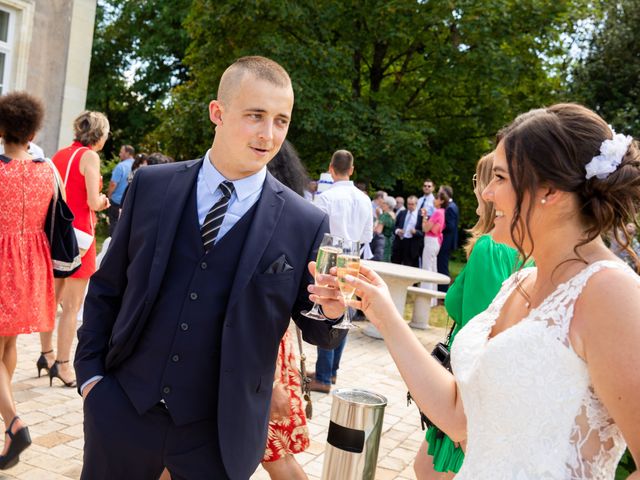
19,442
54,372
42,363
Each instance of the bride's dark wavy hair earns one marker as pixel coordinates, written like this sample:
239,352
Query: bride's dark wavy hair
551,147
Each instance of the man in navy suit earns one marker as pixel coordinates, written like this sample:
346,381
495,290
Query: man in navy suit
449,235
409,238
176,354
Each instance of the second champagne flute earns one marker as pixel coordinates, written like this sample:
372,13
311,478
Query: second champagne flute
348,263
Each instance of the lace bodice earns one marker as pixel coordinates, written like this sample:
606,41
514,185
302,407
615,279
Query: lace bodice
530,406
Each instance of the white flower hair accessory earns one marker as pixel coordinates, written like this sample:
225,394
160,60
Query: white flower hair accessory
611,153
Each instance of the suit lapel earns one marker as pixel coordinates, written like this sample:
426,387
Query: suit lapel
175,199
264,224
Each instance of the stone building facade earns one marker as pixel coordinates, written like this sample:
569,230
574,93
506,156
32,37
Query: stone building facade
45,49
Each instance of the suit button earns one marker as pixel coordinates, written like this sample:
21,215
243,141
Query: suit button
175,358
193,296
203,265
166,390
184,326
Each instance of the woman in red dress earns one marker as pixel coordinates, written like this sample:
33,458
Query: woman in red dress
26,273
79,167
288,433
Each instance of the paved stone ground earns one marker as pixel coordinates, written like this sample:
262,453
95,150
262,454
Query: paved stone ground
54,415
367,364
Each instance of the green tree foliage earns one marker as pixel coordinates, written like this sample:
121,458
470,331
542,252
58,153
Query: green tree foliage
412,88
138,49
607,78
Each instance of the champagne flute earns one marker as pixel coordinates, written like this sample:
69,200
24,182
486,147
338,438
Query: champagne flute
348,263
330,247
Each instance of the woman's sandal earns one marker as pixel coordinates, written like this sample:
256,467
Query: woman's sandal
19,442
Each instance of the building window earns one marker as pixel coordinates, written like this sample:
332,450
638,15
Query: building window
6,42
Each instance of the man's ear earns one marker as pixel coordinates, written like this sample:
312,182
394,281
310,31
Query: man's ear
215,112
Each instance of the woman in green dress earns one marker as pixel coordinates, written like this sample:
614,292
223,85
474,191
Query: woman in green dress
488,265
386,225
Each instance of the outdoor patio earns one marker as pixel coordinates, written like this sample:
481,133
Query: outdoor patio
54,415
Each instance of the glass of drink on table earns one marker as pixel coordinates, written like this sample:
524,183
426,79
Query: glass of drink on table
348,263
327,258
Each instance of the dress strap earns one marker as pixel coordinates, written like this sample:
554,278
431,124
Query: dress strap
576,284
564,298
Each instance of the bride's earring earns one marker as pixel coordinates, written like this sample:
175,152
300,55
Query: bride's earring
543,201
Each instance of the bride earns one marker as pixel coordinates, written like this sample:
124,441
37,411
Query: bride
546,381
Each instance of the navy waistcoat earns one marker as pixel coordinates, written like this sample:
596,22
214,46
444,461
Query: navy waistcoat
177,358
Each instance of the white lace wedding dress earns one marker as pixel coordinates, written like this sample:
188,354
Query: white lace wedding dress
531,410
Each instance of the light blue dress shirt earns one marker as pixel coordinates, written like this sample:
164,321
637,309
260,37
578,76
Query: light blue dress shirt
246,193
119,177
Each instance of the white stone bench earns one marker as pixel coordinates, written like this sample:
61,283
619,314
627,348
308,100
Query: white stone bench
422,306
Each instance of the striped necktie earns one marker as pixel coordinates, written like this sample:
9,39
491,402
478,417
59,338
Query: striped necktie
213,220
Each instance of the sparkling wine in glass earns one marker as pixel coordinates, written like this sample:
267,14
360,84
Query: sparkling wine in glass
348,263
328,252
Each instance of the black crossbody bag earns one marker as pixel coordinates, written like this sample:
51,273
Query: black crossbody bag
442,354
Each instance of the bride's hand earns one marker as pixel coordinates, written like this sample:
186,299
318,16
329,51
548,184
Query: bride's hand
375,299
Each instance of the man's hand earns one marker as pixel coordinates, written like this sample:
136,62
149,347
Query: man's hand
280,406
327,293
400,232
88,388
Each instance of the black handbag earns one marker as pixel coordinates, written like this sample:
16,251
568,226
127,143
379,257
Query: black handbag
65,254
442,354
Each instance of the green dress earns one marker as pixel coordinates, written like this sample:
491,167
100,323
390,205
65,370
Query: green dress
389,226
489,265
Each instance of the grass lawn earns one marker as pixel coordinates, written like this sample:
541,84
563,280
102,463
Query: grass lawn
438,316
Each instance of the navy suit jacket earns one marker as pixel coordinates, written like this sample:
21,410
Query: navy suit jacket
450,231
122,294
417,241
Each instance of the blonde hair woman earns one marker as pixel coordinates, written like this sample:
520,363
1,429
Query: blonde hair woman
545,381
489,264
79,167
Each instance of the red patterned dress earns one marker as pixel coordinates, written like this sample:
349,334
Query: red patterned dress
27,299
288,435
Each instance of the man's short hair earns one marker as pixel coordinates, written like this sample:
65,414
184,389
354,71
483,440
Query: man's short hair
428,180
380,194
129,149
261,68
412,197
342,162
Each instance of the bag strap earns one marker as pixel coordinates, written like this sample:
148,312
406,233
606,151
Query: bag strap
66,179
303,369
58,190
304,380
66,176
447,342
